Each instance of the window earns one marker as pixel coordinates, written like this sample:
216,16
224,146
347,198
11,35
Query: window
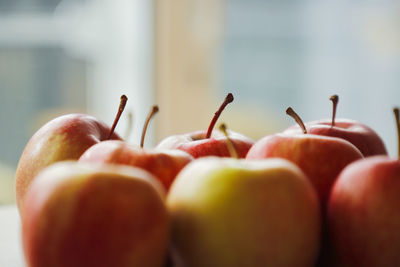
60,57
274,54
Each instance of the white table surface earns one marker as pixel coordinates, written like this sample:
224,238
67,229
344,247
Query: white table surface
10,237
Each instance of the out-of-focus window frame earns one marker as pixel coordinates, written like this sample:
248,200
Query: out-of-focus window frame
115,39
187,43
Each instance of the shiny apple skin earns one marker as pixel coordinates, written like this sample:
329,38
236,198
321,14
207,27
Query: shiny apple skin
198,146
359,134
321,158
364,213
77,214
239,212
165,164
63,138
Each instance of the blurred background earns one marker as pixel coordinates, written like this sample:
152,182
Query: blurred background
63,56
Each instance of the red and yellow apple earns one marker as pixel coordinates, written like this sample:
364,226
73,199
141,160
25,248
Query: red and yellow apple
64,138
230,212
77,214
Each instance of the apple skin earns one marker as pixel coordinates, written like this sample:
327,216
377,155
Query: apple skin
321,158
364,213
63,138
164,164
77,214
229,212
198,146
359,134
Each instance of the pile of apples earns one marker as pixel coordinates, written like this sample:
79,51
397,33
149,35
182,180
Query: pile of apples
323,193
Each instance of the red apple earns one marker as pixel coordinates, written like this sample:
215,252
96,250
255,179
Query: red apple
210,143
364,212
63,138
359,134
77,214
320,157
165,164
197,145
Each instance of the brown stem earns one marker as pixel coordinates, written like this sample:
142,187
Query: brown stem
231,146
297,118
121,108
228,99
153,111
397,116
129,126
335,100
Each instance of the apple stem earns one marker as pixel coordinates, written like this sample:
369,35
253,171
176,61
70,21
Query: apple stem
297,118
129,126
335,100
231,146
154,110
228,99
121,108
397,116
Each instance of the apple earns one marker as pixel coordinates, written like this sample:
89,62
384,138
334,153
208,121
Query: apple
63,138
359,134
237,212
364,212
165,164
210,143
77,214
321,158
